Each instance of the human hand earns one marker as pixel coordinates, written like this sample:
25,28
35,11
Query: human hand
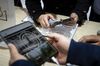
61,43
43,19
14,55
90,39
74,17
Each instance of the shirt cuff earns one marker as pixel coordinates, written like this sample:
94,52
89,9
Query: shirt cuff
23,63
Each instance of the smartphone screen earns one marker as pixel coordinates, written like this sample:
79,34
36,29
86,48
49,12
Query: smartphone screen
29,42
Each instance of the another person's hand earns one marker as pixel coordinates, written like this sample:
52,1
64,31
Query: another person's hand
43,19
14,55
61,43
95,39
74,17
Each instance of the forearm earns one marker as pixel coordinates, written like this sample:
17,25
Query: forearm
83,54
81,9
34,8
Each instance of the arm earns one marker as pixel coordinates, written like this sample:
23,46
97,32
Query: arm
81,10
34,8
84,54
37,13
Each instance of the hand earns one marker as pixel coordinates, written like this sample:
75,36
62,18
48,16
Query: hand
14,55
43,19
74,17
90,39
61,43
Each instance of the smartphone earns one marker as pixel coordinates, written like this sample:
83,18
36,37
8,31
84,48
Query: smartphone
29,42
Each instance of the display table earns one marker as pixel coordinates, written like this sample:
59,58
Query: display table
88,28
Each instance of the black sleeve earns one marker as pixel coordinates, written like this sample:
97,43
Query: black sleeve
23,63
84,54
34,8
81,9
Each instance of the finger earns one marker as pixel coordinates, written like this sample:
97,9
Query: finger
89,39
49,39
51,17
98,43
46,22
74,17
55,36
42,23
86,40
52,35
82,40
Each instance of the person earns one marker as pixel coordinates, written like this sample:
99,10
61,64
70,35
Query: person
94,39
76,9
78,53
95,10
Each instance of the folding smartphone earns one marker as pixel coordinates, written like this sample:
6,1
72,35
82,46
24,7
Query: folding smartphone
29,42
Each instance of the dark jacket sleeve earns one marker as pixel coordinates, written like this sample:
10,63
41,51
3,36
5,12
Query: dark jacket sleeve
23,63
81,9
34,8
84,54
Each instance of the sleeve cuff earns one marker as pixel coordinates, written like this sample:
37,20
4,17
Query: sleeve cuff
82,53
23,63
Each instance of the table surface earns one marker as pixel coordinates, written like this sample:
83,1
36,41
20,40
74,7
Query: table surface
88,28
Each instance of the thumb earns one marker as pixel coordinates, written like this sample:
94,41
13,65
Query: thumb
74,17
53,35
13,50
98,43
14,54
51,16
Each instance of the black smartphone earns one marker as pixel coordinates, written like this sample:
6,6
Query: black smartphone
29,42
